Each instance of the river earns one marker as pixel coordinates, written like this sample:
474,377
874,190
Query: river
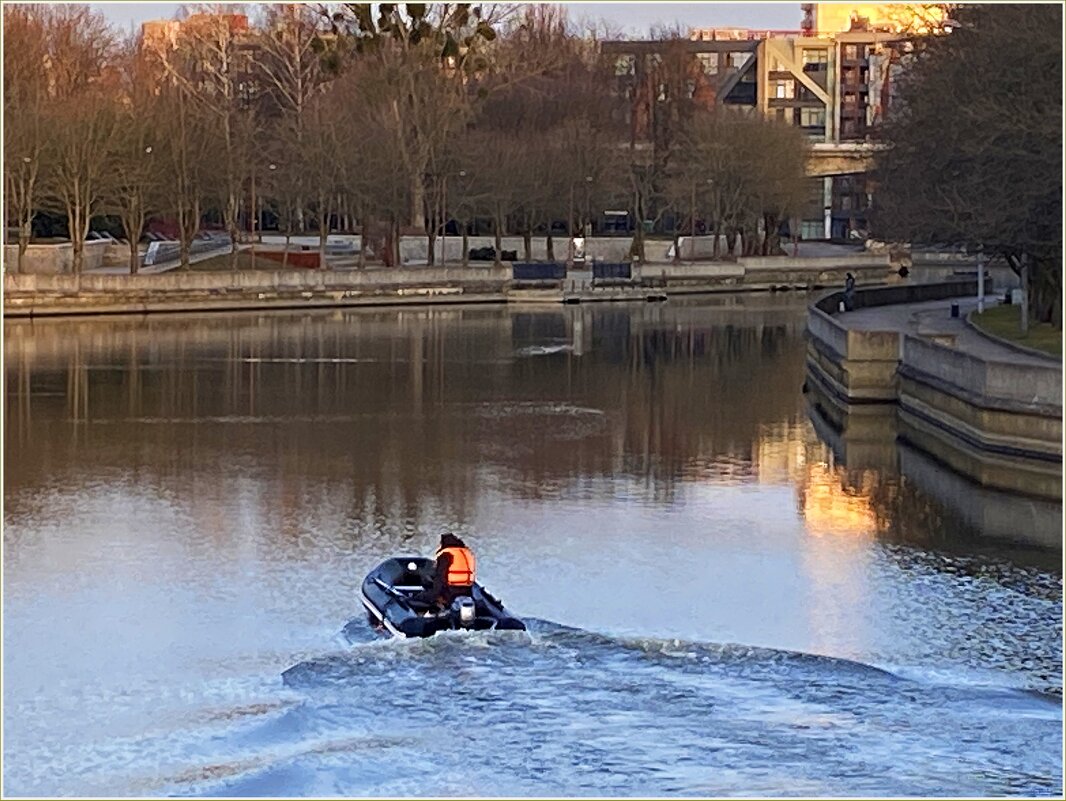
722,599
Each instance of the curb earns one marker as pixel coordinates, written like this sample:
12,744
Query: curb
1008,344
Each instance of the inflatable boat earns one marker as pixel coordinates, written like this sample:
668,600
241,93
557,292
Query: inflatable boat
388,594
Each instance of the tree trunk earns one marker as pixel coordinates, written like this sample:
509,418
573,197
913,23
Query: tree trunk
527,244
79,255
77,239
418,201
323,228
393,242
231,227
638,231
497,234
1024,273
25,229
288,238
363,238
466,246
183,252
731,241
550,244
677,246
715,248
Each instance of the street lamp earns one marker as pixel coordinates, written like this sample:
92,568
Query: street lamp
980,281
258,211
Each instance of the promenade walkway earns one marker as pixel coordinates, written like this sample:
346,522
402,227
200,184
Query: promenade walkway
162,267
933,318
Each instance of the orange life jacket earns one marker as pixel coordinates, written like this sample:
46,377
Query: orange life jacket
462,569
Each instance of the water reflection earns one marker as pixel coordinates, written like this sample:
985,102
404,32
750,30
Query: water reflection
656,395
911,498
414,405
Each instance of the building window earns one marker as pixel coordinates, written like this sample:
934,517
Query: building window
708,63
739,60
785,90
851,51
815,59
812,229
811,117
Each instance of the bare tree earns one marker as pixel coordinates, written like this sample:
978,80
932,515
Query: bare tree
420,55
25,96
291,63
80,118
367,163
138,152
81,138
322,155
212,63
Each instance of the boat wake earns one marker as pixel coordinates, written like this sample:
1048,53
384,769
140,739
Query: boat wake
562,711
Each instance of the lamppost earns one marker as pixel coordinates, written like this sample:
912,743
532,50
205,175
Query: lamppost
463,190
259,211
980,281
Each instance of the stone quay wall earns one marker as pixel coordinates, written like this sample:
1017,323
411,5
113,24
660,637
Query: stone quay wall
35,294
998,422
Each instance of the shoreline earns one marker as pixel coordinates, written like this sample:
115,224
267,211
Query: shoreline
28,296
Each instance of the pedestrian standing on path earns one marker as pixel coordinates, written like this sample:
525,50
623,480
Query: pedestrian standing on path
849,292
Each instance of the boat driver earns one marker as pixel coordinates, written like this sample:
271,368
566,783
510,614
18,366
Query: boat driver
453,575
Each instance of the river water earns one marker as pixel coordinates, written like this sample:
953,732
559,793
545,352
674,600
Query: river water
722,598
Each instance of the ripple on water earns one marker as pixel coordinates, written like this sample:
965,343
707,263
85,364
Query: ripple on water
560,710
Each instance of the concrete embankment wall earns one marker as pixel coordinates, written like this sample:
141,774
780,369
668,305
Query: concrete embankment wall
859,366
997,422
179,290
58,258
88,294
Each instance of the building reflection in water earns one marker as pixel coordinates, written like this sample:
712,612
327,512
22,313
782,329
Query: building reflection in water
391,413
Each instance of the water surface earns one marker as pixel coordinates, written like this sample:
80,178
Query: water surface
723,598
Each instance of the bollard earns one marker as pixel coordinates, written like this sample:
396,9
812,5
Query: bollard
955,309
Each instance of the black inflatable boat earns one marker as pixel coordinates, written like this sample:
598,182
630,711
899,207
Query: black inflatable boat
387,595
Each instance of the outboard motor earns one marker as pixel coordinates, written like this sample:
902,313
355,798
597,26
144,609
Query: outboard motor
465,610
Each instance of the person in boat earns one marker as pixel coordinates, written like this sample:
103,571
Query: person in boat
454,574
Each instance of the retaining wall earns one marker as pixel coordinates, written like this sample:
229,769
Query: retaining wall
997,422
58,258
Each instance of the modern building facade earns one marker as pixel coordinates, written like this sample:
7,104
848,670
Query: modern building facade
833,78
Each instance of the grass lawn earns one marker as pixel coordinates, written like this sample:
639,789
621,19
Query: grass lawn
1002,321
221,263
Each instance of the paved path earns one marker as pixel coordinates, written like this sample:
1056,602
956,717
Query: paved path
934,317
